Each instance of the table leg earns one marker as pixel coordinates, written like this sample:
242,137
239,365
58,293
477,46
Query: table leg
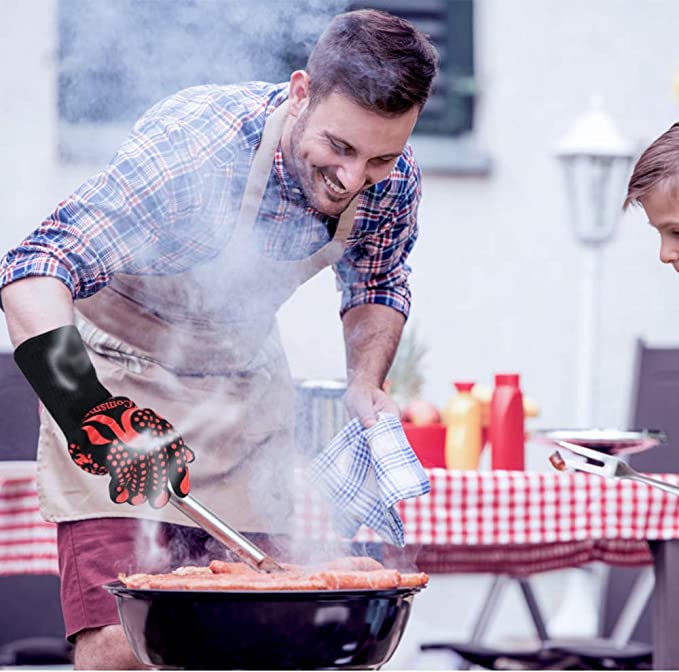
534,610
666,604
639,596
488,608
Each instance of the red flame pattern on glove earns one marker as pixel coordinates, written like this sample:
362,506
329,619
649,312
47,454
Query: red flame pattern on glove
140,450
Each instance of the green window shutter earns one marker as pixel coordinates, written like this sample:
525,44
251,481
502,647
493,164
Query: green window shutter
450,26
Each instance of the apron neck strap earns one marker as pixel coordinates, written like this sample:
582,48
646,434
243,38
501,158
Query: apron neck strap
346,221
260,170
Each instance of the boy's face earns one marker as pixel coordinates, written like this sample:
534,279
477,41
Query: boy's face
662,208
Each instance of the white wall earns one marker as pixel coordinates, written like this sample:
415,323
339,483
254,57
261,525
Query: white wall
496,269
27,117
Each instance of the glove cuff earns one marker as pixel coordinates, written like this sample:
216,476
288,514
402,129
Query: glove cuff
57,366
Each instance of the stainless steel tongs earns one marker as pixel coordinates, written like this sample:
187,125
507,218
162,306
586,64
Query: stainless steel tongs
607,466
225,534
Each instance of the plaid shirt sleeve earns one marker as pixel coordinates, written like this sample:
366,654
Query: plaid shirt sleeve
374,268
132,217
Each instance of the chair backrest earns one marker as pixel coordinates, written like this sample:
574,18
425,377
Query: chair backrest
35,609
655,402
19,422
655,405
34,599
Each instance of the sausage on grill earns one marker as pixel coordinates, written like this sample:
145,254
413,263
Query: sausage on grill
341,574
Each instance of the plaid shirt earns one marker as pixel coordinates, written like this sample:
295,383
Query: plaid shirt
169,199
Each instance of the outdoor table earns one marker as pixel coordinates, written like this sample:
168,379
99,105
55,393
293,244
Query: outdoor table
503,522
520,522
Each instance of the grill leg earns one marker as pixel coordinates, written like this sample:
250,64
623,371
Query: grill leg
634,607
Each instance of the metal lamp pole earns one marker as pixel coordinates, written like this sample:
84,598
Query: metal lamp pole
595,160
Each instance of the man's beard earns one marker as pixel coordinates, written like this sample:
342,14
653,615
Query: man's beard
303,173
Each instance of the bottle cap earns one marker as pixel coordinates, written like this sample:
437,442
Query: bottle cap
507,379
464,386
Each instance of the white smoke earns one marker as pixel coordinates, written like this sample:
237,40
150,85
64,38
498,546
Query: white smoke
118,58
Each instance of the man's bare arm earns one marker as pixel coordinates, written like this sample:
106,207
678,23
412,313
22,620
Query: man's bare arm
371,333
35,305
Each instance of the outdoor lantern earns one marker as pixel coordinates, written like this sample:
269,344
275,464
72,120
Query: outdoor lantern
596,162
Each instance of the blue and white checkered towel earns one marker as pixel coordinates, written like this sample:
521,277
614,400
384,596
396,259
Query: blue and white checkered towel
364,472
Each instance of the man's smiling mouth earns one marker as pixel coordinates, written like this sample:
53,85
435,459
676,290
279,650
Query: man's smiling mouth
333,186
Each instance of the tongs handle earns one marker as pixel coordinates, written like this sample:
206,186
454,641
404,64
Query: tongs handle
655,483
612,466
227,535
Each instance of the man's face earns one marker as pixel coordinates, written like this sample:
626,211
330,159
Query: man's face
662,208
336,149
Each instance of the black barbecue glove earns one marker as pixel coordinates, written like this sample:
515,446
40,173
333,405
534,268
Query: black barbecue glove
140,450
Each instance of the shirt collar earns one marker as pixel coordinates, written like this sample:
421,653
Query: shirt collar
290,188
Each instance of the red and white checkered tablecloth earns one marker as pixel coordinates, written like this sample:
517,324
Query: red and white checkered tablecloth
499,521
516,507
522,522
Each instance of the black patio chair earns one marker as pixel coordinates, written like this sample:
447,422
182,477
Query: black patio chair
626,609
32,629
549,654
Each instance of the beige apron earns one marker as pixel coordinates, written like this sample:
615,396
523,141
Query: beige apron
201,348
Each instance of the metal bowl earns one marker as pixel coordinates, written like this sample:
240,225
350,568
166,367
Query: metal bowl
265,630
610,441
320,413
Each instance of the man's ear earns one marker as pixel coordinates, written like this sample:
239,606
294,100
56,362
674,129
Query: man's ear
298,98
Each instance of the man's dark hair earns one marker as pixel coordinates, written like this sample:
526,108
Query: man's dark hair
379,60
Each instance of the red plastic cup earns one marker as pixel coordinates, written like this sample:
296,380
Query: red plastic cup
428,442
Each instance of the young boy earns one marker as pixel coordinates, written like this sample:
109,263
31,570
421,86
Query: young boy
655,185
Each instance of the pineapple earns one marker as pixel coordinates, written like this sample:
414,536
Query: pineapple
405,378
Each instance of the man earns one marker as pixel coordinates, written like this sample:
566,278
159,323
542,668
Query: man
151,293
655,185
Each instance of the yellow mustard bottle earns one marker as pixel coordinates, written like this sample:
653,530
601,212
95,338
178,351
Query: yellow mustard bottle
462,417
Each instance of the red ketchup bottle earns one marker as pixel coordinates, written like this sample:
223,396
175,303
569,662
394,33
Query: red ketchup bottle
506,423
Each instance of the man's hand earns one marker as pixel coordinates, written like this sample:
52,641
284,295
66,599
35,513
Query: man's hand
371,335
365,401
141,451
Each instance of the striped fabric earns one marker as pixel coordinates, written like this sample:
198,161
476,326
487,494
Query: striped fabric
28,544
364,473
168,200
523,559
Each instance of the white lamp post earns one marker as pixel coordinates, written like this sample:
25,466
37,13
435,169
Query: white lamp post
596,160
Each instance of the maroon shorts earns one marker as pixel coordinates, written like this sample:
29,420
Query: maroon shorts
93,552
